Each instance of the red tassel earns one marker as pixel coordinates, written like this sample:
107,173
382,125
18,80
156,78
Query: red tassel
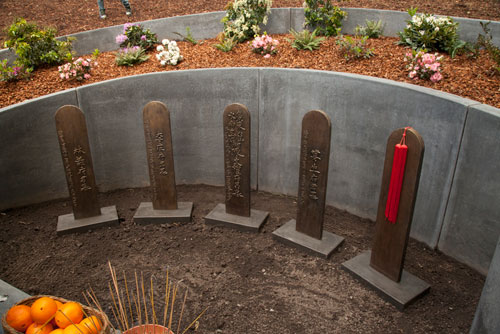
396,183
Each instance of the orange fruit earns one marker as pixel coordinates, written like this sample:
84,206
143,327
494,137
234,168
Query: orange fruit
75,329
57,331
53,322
35,328
43,309
92,324
70,313
19,317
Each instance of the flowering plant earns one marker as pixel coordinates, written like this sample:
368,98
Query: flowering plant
169,53
264,45
130,56
135,35
78,69
243,18
9,73
425,31
323,16
424,65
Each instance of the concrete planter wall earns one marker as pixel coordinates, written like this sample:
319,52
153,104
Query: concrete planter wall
457,204
281,20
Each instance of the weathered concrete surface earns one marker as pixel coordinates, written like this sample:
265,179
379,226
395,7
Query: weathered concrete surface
486,320
472,222
31,168
364,111
196,100
13,295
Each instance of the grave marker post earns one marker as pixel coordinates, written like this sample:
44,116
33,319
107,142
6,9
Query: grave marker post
382,267
77,161
236,211
164,207
307,231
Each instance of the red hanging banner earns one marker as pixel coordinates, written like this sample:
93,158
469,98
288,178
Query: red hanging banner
396,183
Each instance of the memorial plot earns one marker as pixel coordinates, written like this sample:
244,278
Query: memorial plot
77,161
382,267
307,231
236,211
164,207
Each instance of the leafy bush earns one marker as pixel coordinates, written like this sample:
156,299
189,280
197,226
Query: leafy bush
265,45
188,37
35,47
226,44
306,40
131,56
243,18
322,15
136,35
168,53
372,29
354,47
13,73
484,41
424,65
79,69
425,31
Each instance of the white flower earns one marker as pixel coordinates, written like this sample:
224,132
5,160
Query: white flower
436,29
165,41
163,63
159,48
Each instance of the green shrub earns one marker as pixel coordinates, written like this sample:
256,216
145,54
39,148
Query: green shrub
306,40
131,56
372,29
136,35
12,73
425,31
35,47
354,47
322,15
226,44
484,41
243,18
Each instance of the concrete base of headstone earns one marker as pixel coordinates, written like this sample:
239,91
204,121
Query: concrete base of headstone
68,223
400,294
145,214
219,217
323,248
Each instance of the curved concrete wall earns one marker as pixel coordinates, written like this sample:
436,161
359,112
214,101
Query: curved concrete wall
459,184
281,20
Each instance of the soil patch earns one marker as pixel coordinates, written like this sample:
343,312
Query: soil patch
250,282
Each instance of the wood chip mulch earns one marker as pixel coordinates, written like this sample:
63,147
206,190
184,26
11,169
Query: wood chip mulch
464,76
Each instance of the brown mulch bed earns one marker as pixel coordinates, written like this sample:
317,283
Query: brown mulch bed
70,16
463,75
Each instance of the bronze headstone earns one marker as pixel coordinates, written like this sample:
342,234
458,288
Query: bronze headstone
237,159
389,248
157,131
77,161
313,173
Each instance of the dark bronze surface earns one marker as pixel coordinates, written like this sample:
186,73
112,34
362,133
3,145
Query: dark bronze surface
237,159
77,161
391,240
313,173
157,132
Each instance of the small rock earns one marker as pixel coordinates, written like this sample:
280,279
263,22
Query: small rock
79,244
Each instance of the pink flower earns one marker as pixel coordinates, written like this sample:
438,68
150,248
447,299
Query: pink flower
436,77
120,39
267,56
85,63
62,75
67,76
86,76
412,74
434,67
143,37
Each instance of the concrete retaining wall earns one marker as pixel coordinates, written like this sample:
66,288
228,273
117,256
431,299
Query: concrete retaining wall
281,20
458,186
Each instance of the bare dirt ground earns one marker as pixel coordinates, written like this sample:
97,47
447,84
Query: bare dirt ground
249,282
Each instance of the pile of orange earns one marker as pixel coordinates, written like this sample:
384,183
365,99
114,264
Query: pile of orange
49,316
